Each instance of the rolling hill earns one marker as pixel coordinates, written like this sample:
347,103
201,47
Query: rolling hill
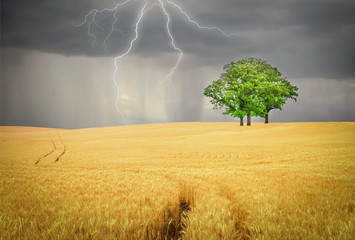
179,181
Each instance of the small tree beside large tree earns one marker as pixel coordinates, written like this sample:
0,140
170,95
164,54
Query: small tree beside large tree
250,87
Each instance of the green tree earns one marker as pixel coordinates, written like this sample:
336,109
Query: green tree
273,89
273,95
222,96
250,87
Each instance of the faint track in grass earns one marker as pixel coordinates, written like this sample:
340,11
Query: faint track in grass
56,142
47,154
224,156
64,150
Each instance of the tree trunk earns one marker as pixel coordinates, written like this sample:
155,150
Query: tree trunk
248,119
241,121
267,118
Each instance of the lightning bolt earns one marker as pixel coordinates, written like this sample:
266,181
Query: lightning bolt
124,54
197,24
90,18
93,14
172,42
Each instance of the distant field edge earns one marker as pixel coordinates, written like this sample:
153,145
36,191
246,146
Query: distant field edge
36,129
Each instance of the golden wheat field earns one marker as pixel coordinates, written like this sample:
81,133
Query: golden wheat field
179,181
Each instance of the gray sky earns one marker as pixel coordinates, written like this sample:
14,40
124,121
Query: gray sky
52,76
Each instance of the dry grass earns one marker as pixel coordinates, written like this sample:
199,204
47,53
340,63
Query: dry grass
179,181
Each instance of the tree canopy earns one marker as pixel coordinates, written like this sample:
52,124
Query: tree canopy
250,87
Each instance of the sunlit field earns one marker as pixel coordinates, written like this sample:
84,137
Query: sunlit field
179,181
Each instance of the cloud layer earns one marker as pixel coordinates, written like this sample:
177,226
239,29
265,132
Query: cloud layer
306,38
51,75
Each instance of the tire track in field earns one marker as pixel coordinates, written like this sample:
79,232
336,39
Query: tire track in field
47,154
57,149
224,156
64,150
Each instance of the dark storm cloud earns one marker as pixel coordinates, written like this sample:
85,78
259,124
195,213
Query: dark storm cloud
46,25
304,38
